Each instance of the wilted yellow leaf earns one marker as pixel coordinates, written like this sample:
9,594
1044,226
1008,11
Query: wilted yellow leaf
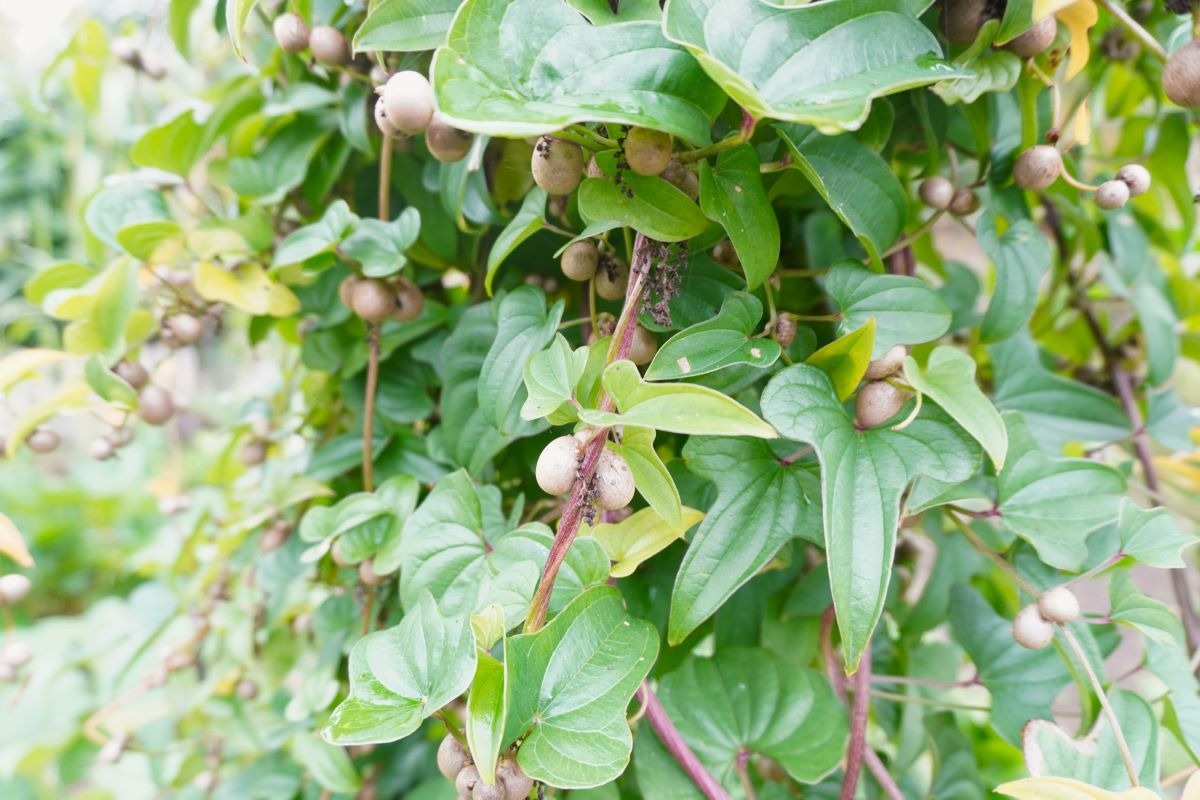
20,365
1068,789
12,544
1078,16
640,536
246,287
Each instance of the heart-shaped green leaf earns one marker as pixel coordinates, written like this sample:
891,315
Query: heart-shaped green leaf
857,183
732,194
569,685
808,63
749,701
401,675
949,380
906,310
551,376
762,504
1152,537
1056,409
1023,683
1054,503
863,475
446,550
723,341
1150,617
1022,256
525,326
379,246
525,67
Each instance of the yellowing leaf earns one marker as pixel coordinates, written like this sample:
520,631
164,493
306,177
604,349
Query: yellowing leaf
845,360
1068,789
12,544
640,536
1083,124
71,398
1078,16
1191,790
246,287
20,365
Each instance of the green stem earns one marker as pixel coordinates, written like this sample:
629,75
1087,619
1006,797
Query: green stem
728,143
982,547
921,230
1118,734
585,137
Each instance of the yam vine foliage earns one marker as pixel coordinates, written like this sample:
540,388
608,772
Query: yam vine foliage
605,400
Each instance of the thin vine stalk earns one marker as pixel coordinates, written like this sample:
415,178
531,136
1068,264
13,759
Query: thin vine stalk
577,503
671,739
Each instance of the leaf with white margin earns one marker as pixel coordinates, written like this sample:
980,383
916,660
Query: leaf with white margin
528,67
1096,758
808,63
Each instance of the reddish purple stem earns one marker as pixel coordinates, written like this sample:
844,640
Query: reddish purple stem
669,735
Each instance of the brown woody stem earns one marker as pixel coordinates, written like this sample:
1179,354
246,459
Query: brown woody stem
577,504
858,725
368,457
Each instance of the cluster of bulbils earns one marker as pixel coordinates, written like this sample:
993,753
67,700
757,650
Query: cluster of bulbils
14,655
1033,627
558,470
1040,166
455,762
376,300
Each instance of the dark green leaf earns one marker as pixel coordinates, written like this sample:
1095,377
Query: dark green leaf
732,194
808,61
906,310
525,67
762,504
863,475
1021,256
525,327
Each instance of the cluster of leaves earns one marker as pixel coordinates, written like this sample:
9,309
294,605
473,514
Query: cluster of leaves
875,399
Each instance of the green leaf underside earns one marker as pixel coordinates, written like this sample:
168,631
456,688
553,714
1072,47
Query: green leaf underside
807,64
569,686
530,67
1054,503
863,475
402,675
